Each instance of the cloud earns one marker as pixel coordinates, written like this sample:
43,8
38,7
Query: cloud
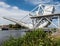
39,1
48,2
36,2
15,7
4,5
10,11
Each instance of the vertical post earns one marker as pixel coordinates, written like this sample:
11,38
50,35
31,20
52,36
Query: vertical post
33,22
58,21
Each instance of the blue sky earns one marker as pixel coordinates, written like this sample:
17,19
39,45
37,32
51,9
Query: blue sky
22,4
19,8
29,4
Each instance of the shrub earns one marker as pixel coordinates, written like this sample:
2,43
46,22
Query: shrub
57,40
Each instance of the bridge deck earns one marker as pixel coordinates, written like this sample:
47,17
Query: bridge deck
50,15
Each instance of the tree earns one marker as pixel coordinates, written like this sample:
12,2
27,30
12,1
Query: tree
10,25
17,26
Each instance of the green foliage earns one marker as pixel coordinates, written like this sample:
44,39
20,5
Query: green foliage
53,29
34,38
10,25
57,41
16,26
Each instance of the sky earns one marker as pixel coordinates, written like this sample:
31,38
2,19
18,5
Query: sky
19,8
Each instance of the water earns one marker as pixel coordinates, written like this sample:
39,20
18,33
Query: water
5,34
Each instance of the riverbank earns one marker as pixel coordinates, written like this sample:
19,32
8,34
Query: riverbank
35,38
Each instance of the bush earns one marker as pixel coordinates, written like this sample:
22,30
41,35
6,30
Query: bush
57,40
34,38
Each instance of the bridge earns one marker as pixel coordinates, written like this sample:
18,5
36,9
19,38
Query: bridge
39,20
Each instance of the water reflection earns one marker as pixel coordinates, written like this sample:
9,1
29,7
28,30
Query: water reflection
5,34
